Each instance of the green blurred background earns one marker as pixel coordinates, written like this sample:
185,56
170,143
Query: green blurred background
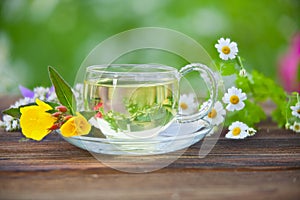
60,33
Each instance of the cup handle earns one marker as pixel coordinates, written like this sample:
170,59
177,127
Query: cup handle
211,82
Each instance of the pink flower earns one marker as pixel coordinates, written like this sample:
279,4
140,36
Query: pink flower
98,106
289,66
99,115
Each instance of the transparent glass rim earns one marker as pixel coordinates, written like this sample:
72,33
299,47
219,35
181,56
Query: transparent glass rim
132,70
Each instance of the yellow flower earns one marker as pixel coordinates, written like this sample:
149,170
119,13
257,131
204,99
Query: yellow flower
35,121
75,126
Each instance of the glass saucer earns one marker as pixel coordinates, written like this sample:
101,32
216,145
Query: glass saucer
177,136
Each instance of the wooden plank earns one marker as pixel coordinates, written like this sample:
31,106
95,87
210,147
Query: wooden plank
167,185
259,152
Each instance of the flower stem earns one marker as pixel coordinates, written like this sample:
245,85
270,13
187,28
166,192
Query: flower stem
239,62
286,113
243,71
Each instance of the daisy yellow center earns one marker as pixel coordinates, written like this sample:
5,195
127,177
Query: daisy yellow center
183,106
226,50
213,113
236,131
297,127
234,99
298,111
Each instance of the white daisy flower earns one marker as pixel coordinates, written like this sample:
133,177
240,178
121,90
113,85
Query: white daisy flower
295,127
216,115
251,131
187,104
296,110
237,130
234,98
226,49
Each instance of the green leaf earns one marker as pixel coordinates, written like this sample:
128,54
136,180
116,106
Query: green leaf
88,114
265,88
14,112
278,115
250,114
243,83
283,111
227,69
260,88
63,90
52,104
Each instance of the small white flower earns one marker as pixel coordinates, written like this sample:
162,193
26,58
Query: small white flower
243,73
10,123
251,131
15,125
78,87
226,49
296,110
187,104
295,127
234,98
287,125
237,130
216,115
40,93
7,118
78,93
22,102
52,97
78,90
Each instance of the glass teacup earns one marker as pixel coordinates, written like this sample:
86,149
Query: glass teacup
140,100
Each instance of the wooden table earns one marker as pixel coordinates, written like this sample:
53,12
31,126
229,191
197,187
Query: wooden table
265,166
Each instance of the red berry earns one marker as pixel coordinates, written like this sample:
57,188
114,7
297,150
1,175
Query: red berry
57,114
55,126
62,109
66,118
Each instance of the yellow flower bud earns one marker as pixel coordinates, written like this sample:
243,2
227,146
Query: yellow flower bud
75,126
